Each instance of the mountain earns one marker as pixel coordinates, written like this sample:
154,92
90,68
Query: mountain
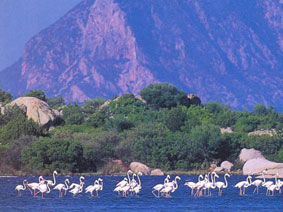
227,51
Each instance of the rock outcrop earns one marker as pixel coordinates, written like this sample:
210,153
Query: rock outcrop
37,110
226,130
263,132
226,165
140,167
156,172
248,154
257,165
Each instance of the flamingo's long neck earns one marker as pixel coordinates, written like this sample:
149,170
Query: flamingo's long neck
129,180
67,186
54,179
48,189
226,182
24,185
139,180
263,177
200,176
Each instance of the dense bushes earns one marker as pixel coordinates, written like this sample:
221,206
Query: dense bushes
163,129
48,153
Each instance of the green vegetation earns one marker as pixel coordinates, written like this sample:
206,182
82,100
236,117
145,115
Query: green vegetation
38,94
167,130
5,96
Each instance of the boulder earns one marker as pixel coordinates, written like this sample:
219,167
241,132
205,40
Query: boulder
157,172
140,167
226,165
257,165
263,132
248,154
226,130
2,107
218,169
37,110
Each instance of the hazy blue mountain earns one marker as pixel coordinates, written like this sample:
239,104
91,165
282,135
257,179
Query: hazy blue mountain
228,51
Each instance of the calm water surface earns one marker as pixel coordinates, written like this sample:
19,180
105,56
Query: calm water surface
110,201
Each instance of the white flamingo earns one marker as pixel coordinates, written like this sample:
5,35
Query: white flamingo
257,184
200,186
272,187
221,185
170,187
159,187
50,182
97,186
43,188
91,188
138,188
210,185
77,188
73,185
33,186
243,184
193,185
266,183
20,188
62,186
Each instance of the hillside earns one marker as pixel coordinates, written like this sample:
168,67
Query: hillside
228,51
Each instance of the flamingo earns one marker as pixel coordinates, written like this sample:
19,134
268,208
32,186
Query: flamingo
91,188
77,188
138,188
200,186
210,185
20,188
272,187
62,186
95,187
221,185
33,186
266,183
193,185
43,188
257,183
50,182
243,184
76,184
170,187
280,184
159,187
122,183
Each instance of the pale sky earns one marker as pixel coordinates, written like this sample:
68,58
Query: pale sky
22,19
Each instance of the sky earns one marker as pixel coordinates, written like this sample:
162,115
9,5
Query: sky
20,20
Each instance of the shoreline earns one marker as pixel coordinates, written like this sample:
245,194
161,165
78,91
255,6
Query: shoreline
198,172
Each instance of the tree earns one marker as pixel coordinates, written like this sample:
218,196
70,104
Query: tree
72,114
260,110
5,96
50,153
15,124
164,95
37,94
56,102
207,143
175,119
92,105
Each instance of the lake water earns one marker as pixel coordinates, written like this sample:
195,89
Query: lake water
110,201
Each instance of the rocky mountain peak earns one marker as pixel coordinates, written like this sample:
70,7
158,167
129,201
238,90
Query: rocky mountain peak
229,52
